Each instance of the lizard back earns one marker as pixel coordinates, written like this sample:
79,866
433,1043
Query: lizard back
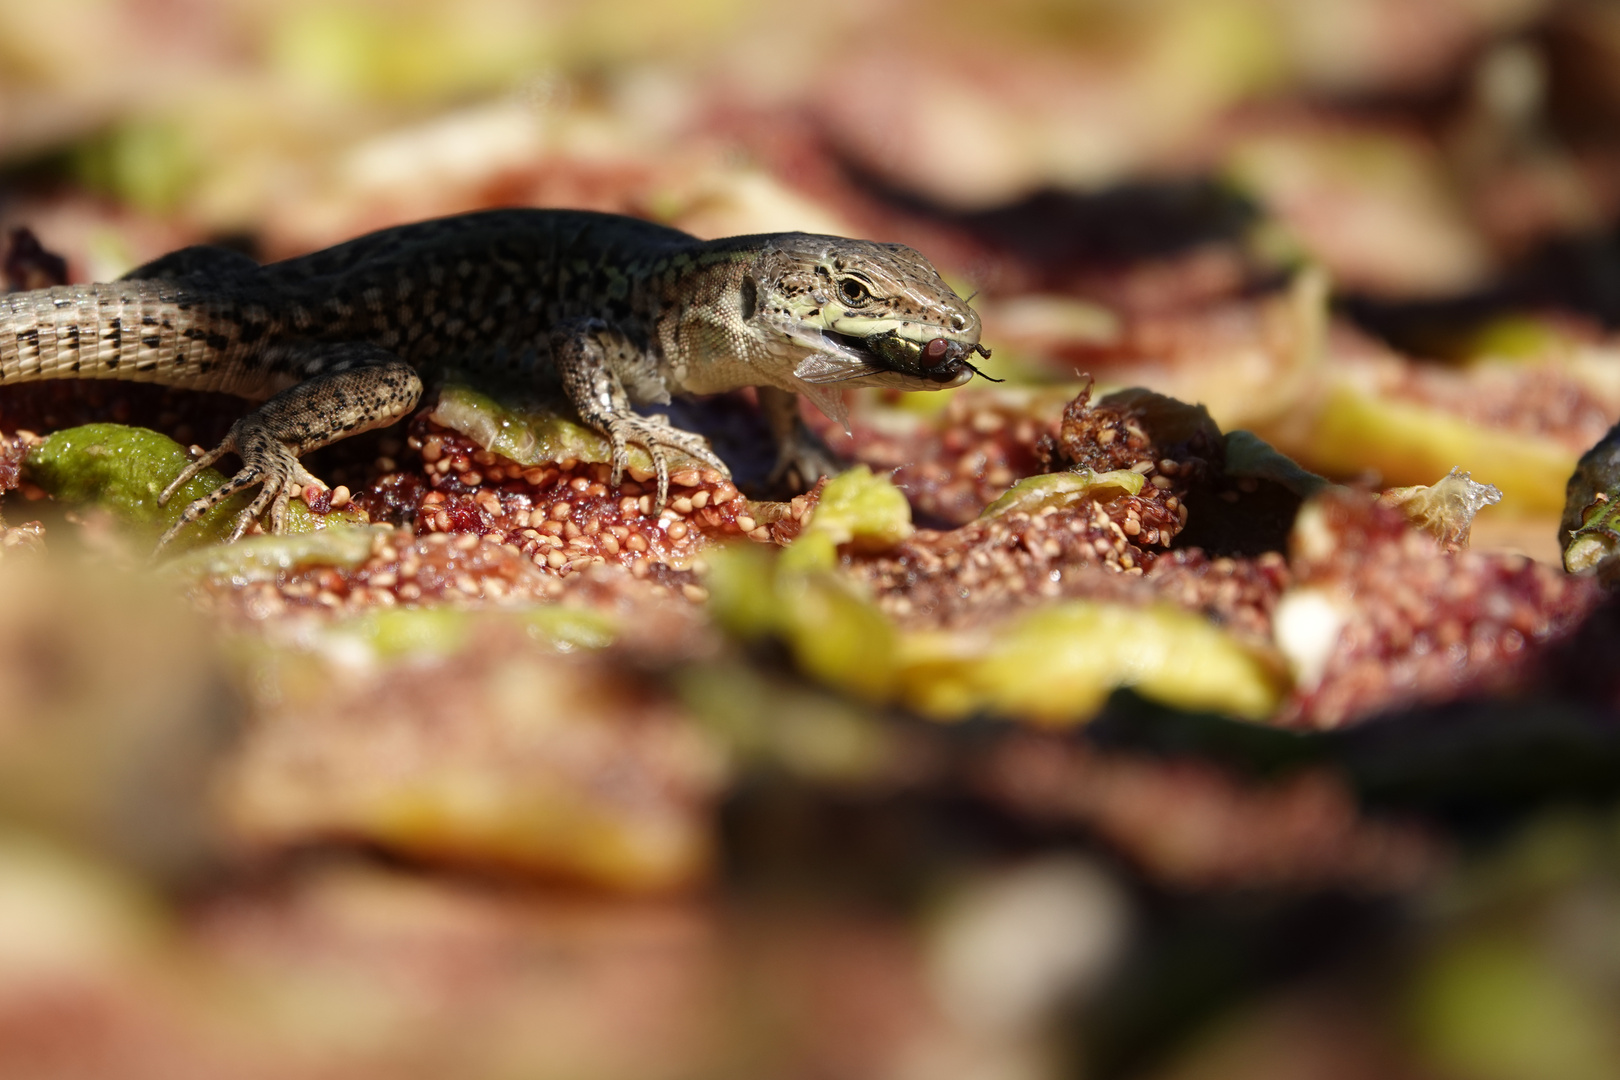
477,291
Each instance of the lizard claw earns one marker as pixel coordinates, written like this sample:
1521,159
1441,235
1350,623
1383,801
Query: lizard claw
266,461
799,464
657,435
196,466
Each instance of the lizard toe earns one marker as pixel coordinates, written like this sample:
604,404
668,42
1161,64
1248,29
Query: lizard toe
267,463
710,458
198,507
274,490
658,436
661,466
799,467
621,458
197,465
240,525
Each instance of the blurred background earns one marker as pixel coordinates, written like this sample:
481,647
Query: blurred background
1379,233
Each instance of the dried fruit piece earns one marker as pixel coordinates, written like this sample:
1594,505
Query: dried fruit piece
954,452
1590,530
1056,665
1249,457
1391,618
1189,822
856,508
114,712
1445,509
122,469
1408,442
535,431
496,753
1174,446
1064,489
1052,665
265,558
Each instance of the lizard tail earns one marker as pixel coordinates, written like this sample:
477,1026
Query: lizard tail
142,331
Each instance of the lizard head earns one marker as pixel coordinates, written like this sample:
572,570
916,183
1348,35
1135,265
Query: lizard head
847,313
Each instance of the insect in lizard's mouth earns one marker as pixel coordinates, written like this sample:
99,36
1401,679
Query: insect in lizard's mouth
941,360
883,359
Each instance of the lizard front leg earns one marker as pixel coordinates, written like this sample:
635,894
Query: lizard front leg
351,388
802,457
584,353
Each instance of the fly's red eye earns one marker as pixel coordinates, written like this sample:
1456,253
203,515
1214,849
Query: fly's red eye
935,351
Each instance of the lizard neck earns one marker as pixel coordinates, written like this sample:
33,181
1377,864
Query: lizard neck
710,340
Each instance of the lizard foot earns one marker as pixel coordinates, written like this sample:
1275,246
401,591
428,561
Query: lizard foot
266,461
800,462
655,434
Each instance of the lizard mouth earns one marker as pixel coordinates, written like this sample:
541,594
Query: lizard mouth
940,359
886,359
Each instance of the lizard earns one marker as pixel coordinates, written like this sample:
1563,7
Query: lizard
620,311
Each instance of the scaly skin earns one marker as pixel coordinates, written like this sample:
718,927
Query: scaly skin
621,311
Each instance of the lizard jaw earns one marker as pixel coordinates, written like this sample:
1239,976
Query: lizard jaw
831,357
833,361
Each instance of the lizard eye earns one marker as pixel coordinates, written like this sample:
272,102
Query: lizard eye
853,291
